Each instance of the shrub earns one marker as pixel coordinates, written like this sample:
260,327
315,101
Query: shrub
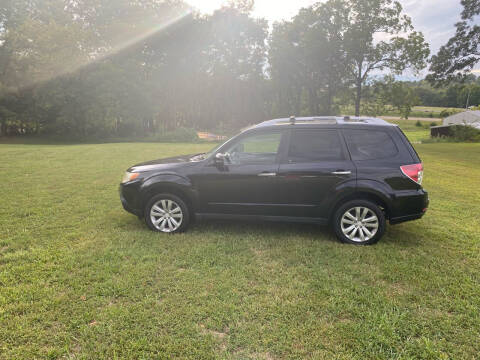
433,124
444,113
418,123
465,133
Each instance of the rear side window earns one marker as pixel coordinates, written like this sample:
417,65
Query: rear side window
370,144
315,145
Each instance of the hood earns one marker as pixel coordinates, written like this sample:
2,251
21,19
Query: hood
164,164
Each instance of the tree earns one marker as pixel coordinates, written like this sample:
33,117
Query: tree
308,59
325,52
455,59
235,59
39,41
381,38
401,97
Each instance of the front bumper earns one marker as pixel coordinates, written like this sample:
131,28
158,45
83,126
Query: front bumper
130,198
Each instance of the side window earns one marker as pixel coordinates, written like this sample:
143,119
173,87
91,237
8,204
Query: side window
256,149
315,145
370,144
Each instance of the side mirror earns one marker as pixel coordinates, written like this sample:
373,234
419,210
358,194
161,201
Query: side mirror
220,158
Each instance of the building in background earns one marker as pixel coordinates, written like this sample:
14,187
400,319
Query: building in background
466,118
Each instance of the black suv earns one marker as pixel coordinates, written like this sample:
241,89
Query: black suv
353,173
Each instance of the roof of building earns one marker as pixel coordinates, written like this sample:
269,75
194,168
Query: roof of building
475,113
325,120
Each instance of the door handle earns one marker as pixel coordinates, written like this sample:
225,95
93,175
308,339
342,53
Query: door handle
341,172
266,174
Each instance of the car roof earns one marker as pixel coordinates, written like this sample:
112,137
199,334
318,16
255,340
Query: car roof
324,120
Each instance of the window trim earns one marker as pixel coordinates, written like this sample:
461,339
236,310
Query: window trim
345,152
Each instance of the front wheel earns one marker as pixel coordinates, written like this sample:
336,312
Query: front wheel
359,222
167,214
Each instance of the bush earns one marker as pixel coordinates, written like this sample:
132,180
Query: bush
180,134
465,133
433,124
444,113
418,123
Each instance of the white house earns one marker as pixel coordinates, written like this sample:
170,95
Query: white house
471,118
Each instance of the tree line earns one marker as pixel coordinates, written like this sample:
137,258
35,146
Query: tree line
84,68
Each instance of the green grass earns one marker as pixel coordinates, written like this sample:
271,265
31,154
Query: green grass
417,111
436,109
82,279
414,133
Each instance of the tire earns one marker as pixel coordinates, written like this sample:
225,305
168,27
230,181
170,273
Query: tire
350,226
159,218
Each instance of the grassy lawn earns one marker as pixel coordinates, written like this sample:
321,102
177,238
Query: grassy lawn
82,279
434,110
417,111
414,133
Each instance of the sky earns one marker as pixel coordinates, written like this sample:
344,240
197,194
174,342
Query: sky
435,18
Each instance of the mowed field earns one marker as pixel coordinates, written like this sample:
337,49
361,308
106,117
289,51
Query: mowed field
82,279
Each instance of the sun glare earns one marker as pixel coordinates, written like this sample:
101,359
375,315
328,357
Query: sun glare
146,30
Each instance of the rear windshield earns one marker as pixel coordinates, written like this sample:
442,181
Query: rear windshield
370,144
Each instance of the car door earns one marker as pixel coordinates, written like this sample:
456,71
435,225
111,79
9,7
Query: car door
315,165
245,183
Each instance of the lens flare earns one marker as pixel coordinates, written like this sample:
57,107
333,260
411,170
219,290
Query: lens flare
63,60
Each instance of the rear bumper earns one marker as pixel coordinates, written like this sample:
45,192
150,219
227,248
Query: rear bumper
401,219
409,205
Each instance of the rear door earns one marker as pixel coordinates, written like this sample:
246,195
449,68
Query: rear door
378,154
315,165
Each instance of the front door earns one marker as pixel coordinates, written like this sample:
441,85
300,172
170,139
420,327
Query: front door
315,165
246,183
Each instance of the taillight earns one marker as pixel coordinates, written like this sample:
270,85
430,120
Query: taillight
414,172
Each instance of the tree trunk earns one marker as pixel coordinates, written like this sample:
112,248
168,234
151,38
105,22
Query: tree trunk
298,104
358,96
313,102
35,130
328,105
3,127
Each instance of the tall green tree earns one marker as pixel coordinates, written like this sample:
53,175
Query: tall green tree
38,42
308,58
381,38
455,59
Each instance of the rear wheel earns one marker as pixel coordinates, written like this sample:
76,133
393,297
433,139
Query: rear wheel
167,213
359,222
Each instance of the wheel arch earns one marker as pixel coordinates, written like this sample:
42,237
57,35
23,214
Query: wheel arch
167,187
363,194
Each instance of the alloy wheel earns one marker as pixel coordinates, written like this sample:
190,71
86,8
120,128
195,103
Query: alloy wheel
359,224
166,215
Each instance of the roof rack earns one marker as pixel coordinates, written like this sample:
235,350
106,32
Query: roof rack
325,120
347,118
318,120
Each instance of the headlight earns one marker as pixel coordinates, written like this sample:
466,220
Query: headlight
129,177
